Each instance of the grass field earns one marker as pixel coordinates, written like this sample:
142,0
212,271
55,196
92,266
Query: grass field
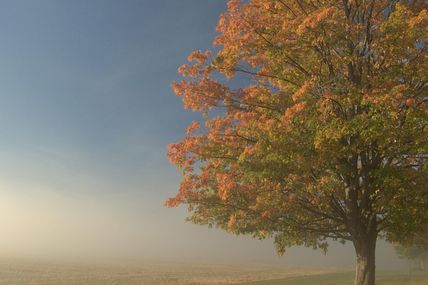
50,273
54,273
346,278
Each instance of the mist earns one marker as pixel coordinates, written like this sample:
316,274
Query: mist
86,115
45,225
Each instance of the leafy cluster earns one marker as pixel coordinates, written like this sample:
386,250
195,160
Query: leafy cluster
329,138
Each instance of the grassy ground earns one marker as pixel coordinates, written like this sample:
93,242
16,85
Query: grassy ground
52,273
346,278
18,272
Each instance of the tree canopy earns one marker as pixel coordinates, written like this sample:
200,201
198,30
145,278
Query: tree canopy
326,136
415,248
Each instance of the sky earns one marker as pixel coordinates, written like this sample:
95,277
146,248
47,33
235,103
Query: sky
86,113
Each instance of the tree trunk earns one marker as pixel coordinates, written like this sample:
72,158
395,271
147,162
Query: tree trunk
422,264
365,269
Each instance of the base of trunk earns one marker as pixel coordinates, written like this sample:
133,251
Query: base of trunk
365,272
365,269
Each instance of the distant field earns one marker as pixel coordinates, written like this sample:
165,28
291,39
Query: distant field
44,273
346,278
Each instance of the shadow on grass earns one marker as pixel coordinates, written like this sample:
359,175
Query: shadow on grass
346,278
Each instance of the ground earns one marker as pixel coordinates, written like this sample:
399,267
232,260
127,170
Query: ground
18,272
346,278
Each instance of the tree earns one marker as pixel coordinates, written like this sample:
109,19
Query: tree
415,248
315,124
420,256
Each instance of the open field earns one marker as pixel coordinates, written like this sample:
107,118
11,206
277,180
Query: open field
46,273
346,278
20,273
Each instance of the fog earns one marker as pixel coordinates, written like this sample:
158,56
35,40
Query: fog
116,228
85,118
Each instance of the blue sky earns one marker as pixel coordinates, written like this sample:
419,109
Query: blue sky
94,76
85,84
86,113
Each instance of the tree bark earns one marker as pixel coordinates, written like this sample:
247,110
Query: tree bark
365,250
422,264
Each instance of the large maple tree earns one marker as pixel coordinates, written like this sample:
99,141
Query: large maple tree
327,136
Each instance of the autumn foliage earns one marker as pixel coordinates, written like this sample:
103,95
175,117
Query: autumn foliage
327,135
